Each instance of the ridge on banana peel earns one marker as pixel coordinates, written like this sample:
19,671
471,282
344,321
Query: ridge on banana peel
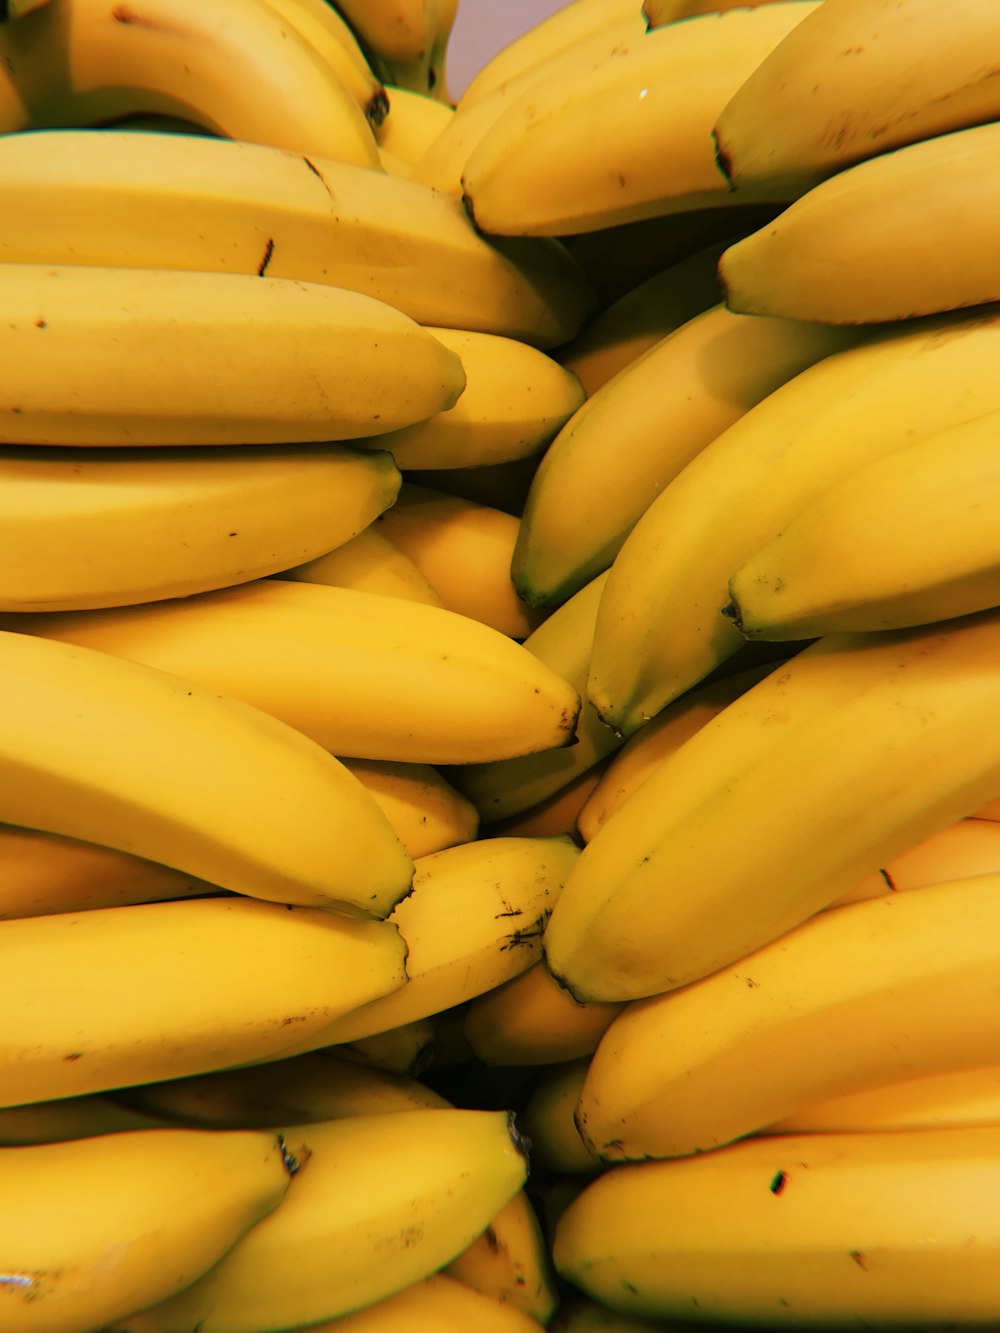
659,898
359,674
190,202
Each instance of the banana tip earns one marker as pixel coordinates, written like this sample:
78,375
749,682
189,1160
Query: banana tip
377,108
723,160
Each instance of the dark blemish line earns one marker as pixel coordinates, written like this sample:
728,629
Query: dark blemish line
268,252
778,1182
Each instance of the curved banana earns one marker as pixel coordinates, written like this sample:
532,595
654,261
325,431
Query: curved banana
913,71
74,522
548,1121
623,137
261,981
805,1230
659,628
435,1304
119,753
67,1118
515,400
369,563
81,62
532,1020
426,811
647,312
44,873
658,12
934,1101
464,550
298,1090
95,1228
873,707
412,123
407,1048
506,787
333,40
381,1202
662,410
556,813
653,743
192,202
124,356
474,920
908,539
362,675
510,1262
397,32
968,847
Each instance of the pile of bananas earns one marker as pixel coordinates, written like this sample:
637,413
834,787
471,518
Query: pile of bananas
499,653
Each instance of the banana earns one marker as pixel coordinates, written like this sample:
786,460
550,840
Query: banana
399,34
558,813
300,1090
532,1020
103,749
464,551
426,811
662,410
564,29
95,1228
79,62
70,1118
435,1304
45,873
510,1263
988,810
548,1121
124,356
821,258
934,1101
653,743
658,12
75,521
789,1024
824,1230
96,993
407,1048
659,628
369,563
912,71
191,202
508,787
647,312
873,707
362,675
515,400
474,920
908,539
412,123
381,1202
333,40
624,137
968,847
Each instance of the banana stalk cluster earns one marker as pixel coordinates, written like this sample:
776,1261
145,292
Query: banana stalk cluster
499,668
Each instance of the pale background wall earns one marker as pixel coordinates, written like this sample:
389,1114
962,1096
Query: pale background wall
483,27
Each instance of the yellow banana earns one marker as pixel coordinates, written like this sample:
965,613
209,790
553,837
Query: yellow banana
658,899
399,34
474,920
510,1263
659,628
75,521
857,79
191,202
333,40
508,787
436,1304
119,753
412,123
988,810
515,400
407,1048
426,811
464,551
970,846
658,12
123,356
80,62
298,1090
822,258
647,312
369,563
362,675
95,1228
532,1020
43,873
548,1121
97,993
643,752
381,1202
908,539
662,410
558,813
71,1118
934,1101
624,137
